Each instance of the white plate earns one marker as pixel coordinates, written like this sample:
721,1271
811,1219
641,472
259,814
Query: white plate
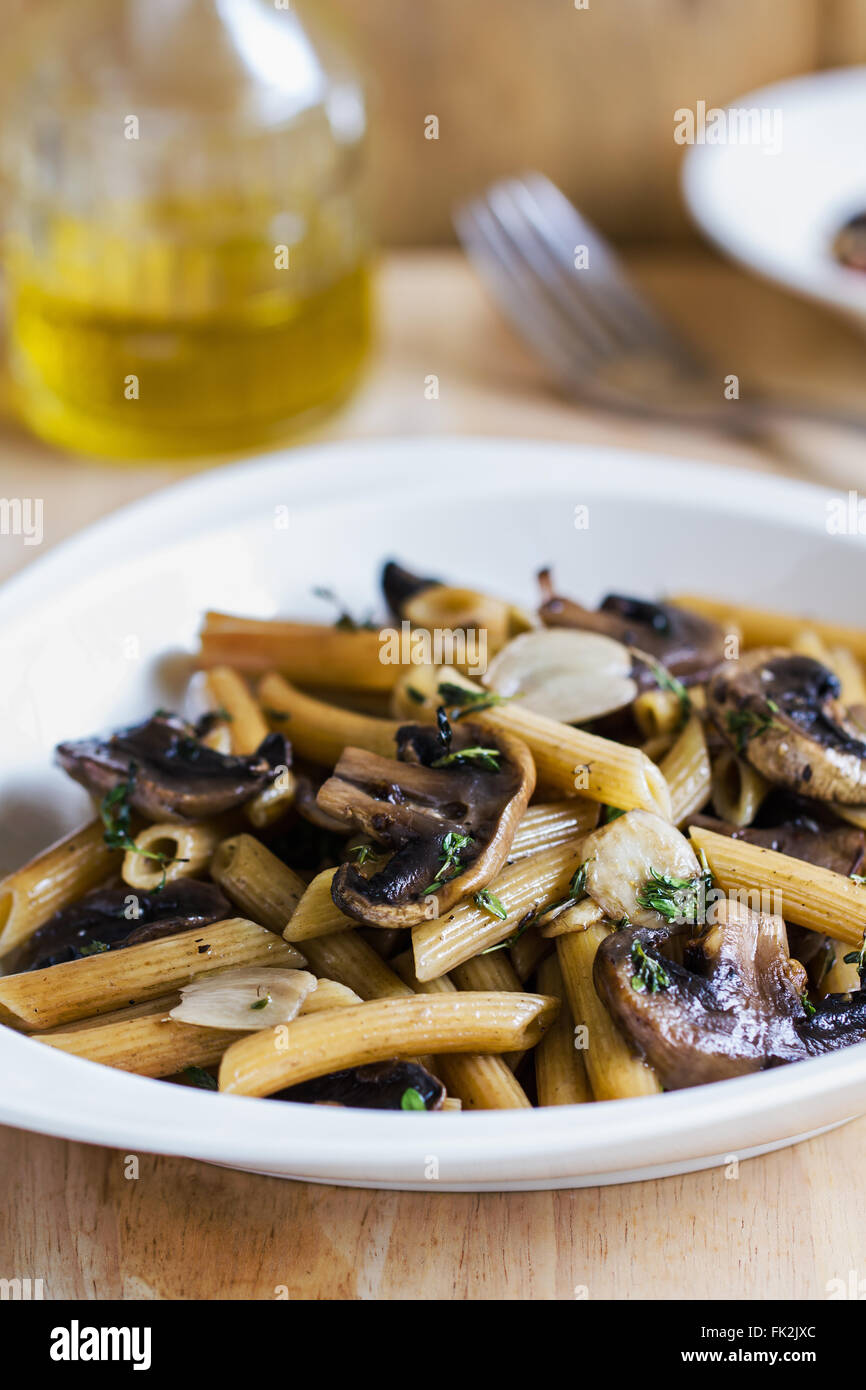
778,213
85,632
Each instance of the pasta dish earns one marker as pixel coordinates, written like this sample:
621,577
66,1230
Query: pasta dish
474,857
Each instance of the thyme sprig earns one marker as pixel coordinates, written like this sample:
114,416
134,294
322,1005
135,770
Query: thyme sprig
650,976
115,811
452,846
465,701
677,899
746,724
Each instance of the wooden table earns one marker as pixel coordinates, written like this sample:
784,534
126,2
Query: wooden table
789,1221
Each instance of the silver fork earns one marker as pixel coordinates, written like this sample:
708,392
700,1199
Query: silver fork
566,293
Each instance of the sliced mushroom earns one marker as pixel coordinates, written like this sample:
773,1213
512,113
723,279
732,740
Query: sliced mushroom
445,810
569,676
170,773
380,1086
248,998
782,713
687,645
735,1005
399,585
735,1011
107,919
622,858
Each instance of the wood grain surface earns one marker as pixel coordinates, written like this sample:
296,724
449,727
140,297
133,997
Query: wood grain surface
785,1225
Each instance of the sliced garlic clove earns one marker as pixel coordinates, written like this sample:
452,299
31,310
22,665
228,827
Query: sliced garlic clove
248,998
563,674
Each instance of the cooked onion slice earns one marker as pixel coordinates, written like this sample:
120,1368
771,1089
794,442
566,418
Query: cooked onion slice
567,675
247,999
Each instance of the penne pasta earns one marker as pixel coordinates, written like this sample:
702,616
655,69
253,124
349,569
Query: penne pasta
259,883
491,971
613,1069
309,653
572,760
229,693
802,893
55,878
738,789
100,983
317,914
686,769
761,627
183,851
320,732
264,1062
481,1082
148,1042
522,888
658,712
346,957
560,1073
526,952
553,823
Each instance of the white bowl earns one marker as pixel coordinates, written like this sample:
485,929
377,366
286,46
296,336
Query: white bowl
85,633
777,213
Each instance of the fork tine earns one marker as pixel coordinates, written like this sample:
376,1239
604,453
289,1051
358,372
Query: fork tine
504,201
603,282
517,290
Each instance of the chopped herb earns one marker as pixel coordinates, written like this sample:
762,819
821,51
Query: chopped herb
415,695
469,701
412,1100
509,941
487,758
261,1003
488,902
197,1076
443,729
276,716
94,948
453,843
676,899
361,853
858,958
858,878
576,892
808,1006
612,813
650,976
621,924
747,724
344,620
666,681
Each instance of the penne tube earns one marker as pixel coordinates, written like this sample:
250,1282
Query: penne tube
686,769
346,957
150,1043
467,930
657,748
264,1062
658,712
806,642
310,653
272,802
854,815
101,983
187,850
613,1069
802,893
762,628
228,692
317,914
319,731
414,692
553,823
738,789
493,971
259,883
55,878
572,760
560,1073
481,1082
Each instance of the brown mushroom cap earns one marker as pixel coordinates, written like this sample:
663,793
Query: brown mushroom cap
173,775
687,645
99,921
411,808
782,713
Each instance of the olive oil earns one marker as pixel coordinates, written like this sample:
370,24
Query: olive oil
168,345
